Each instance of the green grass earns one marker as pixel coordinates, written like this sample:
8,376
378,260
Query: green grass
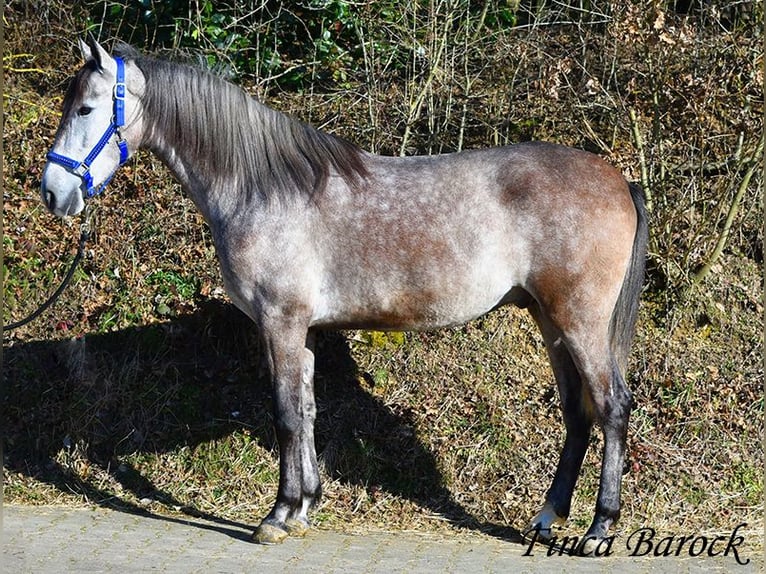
173,284
746,481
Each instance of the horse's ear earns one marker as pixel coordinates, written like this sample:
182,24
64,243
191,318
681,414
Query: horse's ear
87,56
92,50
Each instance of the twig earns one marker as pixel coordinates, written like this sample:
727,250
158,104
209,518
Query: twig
641,159
733,209
26,70
713,168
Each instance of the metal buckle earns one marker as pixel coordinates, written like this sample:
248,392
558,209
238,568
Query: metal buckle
118,94
82,169
119,91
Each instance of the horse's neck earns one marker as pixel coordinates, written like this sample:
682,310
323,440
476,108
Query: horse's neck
208,194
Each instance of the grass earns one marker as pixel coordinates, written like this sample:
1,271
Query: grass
153,393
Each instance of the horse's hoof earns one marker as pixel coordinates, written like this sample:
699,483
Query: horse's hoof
296,527
269,534
544,521
589,546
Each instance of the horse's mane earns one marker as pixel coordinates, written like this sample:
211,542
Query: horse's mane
235,139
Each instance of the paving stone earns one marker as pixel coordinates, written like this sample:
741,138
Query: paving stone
56,540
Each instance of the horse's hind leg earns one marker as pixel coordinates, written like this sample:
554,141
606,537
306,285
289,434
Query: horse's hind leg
611,403
577,421
290,352
592,390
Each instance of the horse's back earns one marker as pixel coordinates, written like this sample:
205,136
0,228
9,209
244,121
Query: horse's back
530,181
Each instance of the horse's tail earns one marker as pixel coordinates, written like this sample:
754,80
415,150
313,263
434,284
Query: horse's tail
625,313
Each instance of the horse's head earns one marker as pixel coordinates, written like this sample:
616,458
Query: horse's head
100,126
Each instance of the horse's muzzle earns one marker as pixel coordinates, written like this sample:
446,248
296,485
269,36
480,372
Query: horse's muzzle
62,204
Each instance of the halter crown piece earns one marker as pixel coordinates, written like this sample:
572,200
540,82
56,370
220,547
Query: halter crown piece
82,168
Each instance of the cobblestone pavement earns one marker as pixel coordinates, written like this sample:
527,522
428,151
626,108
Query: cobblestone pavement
56,540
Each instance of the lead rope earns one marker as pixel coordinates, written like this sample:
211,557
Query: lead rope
85,233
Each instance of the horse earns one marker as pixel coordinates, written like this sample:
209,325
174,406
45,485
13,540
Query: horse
311,233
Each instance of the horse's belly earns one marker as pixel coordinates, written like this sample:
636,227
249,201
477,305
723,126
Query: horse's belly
404,309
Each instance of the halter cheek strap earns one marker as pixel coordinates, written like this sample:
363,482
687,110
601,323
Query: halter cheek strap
82,168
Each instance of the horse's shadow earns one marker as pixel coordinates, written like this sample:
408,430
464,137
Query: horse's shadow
184,383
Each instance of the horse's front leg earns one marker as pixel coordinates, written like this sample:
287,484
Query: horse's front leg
290,354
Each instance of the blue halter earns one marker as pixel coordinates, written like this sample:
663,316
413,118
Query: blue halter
82,168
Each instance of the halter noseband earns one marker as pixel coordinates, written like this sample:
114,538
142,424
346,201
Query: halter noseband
82,168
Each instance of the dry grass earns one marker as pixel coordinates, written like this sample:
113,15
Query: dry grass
144,388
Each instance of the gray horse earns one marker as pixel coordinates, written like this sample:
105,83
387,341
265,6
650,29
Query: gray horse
314,233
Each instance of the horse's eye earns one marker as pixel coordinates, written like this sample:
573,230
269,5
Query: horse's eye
84,111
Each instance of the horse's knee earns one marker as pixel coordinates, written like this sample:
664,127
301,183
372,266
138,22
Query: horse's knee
287,420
